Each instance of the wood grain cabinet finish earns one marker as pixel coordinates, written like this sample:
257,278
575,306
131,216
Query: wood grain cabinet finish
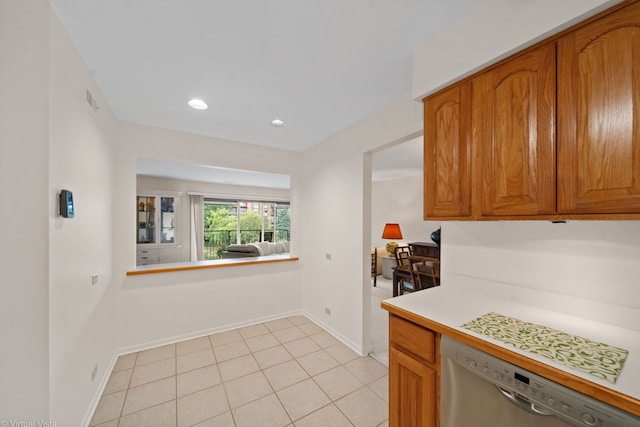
447,153
550,133
599,115
413,386
414,366
514,116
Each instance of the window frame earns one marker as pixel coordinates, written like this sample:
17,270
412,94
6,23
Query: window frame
240,206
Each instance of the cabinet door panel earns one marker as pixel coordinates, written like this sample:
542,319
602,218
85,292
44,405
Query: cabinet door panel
412,386
599,116
447,153
514,113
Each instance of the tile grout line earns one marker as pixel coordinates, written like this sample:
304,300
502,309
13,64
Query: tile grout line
312,378
128,387
271,385
281,344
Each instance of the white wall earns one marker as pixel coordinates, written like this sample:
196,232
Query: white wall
337,218
588,269
82,315
24,237
56,325
160,308
492,31
153,309
400,201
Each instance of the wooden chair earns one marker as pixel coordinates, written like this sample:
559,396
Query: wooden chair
374,265
402,254
425,272
402,278
406,285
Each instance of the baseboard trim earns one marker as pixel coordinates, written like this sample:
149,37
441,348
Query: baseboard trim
123,351
344,340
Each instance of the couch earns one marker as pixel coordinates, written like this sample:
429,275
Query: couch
255,249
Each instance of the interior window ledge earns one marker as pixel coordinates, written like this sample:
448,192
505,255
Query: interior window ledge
218,263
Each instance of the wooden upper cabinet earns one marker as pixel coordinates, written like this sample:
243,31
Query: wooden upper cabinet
549,133
447,153
514,130
599,116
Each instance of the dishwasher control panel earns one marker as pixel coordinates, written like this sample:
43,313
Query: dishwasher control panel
535,393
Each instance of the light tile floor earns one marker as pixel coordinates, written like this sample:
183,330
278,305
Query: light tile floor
286,372
379,326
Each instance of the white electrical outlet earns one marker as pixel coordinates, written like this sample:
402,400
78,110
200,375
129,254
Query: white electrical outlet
327,310
94,278
94,372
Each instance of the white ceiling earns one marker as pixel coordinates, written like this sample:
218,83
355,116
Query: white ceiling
318,65
399,161
207,173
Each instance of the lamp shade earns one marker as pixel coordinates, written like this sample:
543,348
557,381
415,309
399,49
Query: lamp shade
392,231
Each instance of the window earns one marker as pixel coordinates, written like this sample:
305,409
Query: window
243,221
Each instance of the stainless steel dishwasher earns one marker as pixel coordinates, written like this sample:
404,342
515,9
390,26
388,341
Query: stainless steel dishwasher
479,390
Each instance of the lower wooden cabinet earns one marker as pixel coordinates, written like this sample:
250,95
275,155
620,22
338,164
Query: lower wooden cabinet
414,375
412,387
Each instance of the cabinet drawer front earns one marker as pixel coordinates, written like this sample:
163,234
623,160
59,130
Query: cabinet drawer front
412,338
147,251
146,256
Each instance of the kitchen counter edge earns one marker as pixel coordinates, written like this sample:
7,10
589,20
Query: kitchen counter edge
612,397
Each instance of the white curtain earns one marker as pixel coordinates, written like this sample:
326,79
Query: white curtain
197,227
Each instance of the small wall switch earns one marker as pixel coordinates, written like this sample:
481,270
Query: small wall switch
94,279
327,257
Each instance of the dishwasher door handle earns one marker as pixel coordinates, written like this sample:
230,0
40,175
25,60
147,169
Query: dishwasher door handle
523,403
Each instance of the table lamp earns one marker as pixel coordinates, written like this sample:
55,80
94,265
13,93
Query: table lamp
392,231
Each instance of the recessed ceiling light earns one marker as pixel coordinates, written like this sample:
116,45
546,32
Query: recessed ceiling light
277,123
198,104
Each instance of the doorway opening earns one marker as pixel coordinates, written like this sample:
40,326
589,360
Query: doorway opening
395,195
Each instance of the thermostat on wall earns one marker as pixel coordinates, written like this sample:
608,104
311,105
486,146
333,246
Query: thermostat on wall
66,204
